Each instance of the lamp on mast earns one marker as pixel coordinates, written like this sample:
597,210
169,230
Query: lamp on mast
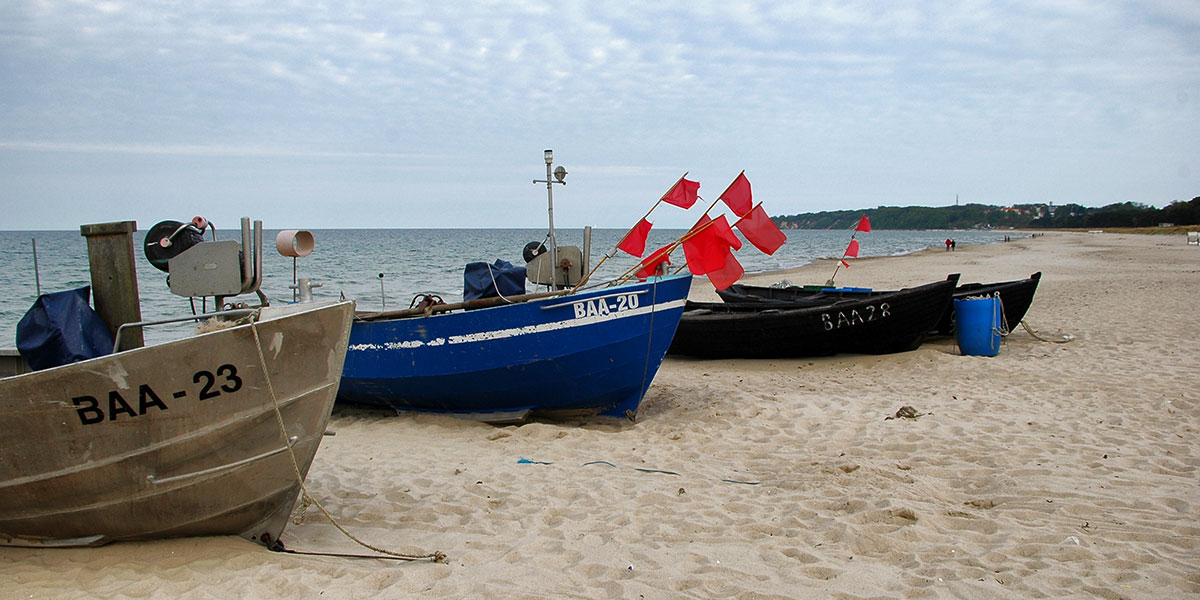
559,176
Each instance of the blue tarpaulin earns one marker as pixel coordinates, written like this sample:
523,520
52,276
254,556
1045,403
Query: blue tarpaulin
61,328
502,278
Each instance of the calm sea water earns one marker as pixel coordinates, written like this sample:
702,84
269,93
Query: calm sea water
350,262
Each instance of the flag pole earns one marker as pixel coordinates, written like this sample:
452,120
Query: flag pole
836,267
843,258
613,252
681,178
730,186
710,207
670,248
743,217
706,226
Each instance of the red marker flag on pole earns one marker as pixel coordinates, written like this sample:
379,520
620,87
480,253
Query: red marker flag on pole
864,224
728,274
761,231
725,233
682,194
650,266
635,241
706,250
738,197
851,250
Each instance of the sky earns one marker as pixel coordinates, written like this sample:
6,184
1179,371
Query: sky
399,114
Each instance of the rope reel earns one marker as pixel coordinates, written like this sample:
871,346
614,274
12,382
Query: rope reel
532,250
168,239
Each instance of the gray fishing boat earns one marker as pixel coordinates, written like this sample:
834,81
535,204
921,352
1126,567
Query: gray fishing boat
211,434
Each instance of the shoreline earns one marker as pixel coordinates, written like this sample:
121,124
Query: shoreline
1050,470
873,272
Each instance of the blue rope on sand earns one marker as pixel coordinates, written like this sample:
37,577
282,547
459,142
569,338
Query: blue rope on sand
526,461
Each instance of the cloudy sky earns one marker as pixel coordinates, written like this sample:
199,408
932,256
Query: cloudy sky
388,113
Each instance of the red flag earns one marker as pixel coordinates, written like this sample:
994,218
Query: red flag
682,194
864,224
727,275
650,266
852,249
761,231
706,250
738,197
725,233
635,241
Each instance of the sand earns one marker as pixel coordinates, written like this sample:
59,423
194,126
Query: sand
1049,471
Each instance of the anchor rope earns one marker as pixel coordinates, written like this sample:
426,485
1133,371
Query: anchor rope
1006,329
436,556
1065,337
649,337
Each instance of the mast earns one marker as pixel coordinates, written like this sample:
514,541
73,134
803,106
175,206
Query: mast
559,175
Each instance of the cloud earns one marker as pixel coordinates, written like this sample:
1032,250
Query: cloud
807,89
216,151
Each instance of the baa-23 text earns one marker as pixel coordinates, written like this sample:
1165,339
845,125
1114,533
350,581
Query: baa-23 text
210,385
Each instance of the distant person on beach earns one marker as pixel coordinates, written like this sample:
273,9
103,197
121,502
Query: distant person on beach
954,244
948,242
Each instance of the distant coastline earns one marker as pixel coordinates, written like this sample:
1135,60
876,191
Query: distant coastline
1069,217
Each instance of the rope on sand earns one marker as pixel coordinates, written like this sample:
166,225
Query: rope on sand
526,461
1006,329
1064,338
435,556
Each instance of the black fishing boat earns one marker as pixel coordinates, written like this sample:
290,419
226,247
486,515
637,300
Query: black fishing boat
1015,296
867,324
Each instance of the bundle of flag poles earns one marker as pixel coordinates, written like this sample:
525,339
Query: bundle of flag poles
709,245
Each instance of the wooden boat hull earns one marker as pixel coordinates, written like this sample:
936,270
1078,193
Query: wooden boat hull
880,324
1016,297
178,439
593,352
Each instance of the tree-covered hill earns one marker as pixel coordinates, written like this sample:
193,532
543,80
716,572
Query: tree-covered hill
981,216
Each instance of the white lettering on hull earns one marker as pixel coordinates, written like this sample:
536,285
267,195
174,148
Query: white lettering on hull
855,317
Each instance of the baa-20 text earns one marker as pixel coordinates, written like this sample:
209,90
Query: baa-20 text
91,411
601,306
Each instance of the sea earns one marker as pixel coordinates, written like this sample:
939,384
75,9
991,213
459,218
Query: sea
385,268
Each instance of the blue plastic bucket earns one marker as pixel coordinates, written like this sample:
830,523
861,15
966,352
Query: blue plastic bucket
977,325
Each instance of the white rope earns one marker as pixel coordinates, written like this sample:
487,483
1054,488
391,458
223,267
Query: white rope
308,499
1007,330
497,285
1064,338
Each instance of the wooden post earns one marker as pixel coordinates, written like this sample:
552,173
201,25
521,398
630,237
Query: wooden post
114,277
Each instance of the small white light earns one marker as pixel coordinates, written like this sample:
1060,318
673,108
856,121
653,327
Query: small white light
549,156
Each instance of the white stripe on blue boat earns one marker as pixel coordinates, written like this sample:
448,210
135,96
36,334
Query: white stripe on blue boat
481,336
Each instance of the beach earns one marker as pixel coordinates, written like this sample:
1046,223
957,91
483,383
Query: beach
1064,467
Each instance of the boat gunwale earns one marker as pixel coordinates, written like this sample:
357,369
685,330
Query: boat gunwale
265,314
502,301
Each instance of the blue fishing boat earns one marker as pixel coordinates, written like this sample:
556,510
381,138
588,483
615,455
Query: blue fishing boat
593,352
503,354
